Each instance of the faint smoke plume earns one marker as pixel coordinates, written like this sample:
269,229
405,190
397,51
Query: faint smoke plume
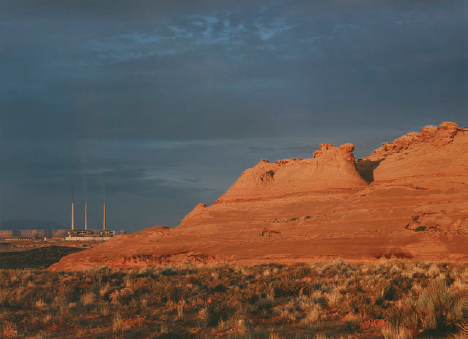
72,189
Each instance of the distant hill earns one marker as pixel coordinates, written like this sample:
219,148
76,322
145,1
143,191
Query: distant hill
24,224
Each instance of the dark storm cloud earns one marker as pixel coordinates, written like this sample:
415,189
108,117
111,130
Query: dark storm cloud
168,101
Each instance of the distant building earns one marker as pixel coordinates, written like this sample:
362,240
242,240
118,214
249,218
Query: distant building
13,239
89,235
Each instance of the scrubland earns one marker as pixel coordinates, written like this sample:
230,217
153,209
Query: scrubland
392,299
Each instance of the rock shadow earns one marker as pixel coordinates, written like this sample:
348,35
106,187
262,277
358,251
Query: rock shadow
366,169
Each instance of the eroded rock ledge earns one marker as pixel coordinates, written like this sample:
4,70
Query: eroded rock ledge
330,167
435,135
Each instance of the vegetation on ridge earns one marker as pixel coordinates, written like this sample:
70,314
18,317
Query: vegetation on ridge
394,299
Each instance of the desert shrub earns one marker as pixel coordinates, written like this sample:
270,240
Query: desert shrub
288,288
438,307
257,333
312,312
220,288
63,318
397,288
351,326
157,291
395,332
132,309
194,280
402,316
121,296
317,286
334,298
118,324
168,272
87,299
175,335
174,293
300,271
264,306
376,287
141,286
9,330
355,285
418,276
359,303
219,310
291,312
260,288
254,298
4,297
73,291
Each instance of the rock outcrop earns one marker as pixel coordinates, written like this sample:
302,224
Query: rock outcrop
442,135
330,167
421,157
408,199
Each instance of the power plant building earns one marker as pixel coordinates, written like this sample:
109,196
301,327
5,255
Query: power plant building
87,234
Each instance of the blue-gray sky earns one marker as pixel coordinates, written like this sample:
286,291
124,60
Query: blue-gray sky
167,102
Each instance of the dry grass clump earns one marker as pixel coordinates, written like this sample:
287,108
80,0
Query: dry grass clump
9,330
394,299
392,332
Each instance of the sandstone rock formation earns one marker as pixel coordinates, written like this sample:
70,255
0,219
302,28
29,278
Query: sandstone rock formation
331,167
408,199
436,152
442,135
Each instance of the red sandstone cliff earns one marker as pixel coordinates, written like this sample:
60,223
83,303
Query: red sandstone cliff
408,199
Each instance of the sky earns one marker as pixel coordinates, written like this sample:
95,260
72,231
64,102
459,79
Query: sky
155,106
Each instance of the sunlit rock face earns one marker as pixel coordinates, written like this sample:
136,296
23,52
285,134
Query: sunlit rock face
408,199
435,153
330,167
442,135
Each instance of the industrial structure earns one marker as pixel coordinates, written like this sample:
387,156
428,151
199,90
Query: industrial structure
87,234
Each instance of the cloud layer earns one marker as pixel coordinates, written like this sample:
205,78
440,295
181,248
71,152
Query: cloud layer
170,100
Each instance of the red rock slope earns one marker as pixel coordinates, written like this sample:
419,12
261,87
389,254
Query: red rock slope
408,199
330,168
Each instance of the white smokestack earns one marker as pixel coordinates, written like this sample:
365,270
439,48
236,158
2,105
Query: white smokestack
104,216
73,216
86,215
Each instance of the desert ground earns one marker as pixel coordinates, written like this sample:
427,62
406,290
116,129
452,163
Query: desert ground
392,299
